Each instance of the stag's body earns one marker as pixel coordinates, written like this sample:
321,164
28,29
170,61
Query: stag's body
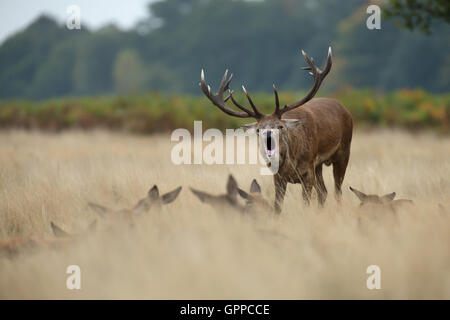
313,132
323,138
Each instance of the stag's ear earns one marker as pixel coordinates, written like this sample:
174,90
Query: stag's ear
361,196
171,196
203,196
243,194
249,126
255,188
153,193
232,186
58,232
292,123
389,196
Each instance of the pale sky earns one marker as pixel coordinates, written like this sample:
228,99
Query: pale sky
17,14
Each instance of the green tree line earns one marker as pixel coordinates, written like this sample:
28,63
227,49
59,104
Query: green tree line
259,41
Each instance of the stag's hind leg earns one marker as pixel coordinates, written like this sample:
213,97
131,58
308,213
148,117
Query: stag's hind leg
320,186
339,166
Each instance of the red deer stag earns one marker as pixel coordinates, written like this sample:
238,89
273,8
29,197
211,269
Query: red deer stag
313,132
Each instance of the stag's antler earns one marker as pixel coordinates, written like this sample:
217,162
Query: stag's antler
219,101
318,75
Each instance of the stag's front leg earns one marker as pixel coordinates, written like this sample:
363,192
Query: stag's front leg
308,182
320,186
280,191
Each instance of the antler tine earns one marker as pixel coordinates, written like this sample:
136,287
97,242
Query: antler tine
318,75
218,100
277,101
224,83
255,110
237,104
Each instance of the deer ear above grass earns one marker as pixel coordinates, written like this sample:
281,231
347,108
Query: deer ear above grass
101,210
58,232
171,196
232,186
203,196
255,187
361,196
243,194
153,193
389,196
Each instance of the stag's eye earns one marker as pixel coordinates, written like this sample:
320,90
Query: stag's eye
280,127
257,131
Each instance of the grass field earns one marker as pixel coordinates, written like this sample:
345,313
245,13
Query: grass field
189,251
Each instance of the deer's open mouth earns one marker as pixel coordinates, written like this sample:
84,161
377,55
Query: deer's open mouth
270,144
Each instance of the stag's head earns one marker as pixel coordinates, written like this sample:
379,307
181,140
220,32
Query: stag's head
267,126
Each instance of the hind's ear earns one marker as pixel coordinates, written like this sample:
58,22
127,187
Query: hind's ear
389,196
153,193
101,210
203,196
171,196
58,232
232,186
361,196
243,194
255,188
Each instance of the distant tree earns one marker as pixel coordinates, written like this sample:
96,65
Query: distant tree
418,13
259,41
96,56
390,58
22,55
129,72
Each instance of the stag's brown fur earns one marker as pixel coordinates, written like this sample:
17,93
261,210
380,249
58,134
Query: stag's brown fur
323,136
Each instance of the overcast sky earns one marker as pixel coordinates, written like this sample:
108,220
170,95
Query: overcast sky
17,14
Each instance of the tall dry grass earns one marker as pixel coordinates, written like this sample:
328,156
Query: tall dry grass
190,251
